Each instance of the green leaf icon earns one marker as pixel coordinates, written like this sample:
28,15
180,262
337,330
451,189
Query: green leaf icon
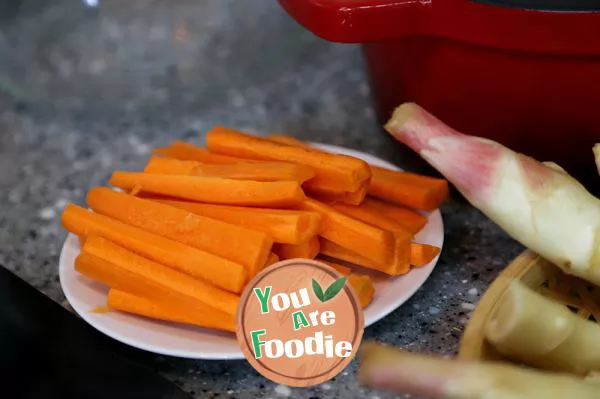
318,290
334,289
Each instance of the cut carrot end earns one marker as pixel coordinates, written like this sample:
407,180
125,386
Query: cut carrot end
307,250
363,287
422,254
272,259
420,192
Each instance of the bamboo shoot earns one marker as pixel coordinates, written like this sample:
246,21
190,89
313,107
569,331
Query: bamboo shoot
538,331
426,376
538,204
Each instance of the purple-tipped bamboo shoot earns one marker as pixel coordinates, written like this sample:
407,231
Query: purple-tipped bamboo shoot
530,328
538,204
403,372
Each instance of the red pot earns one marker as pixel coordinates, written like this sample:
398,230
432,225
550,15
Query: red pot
527,78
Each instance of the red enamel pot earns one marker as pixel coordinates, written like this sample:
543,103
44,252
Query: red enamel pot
524,73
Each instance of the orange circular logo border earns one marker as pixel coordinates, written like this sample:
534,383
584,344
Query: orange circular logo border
280,377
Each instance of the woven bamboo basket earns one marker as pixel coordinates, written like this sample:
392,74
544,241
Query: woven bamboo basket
537,273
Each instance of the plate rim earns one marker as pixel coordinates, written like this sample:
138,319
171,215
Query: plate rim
140,344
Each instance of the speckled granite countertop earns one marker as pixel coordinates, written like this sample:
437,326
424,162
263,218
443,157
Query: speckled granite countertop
84,91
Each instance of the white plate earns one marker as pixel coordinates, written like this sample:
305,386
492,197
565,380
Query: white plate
196,343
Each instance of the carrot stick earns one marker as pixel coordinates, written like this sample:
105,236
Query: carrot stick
372,242
200,264
129,303
307,250
171,166
117,267
258,171
238,244
356,197
283,226
343,270
401,264
189,152
417,191
363,287
368,215
409,219
272,259
287,140
336,251
402,236
422,254
325,194
213,189
331,196
338,172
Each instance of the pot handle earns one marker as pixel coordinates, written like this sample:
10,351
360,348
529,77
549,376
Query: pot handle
471,21
358,21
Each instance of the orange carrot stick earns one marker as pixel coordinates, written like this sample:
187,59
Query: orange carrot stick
283,226
287,140
117,267
343,270
129,303
371,242
247,247
258,171
325,194
363,287
336,251
402,236
400,265
214,190
417,191
332,171
189,152
356,197
331,196
171,166
272,259
409,219
307,250
200,264
367,215
422,254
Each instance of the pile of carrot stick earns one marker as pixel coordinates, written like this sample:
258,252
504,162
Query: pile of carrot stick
179,240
